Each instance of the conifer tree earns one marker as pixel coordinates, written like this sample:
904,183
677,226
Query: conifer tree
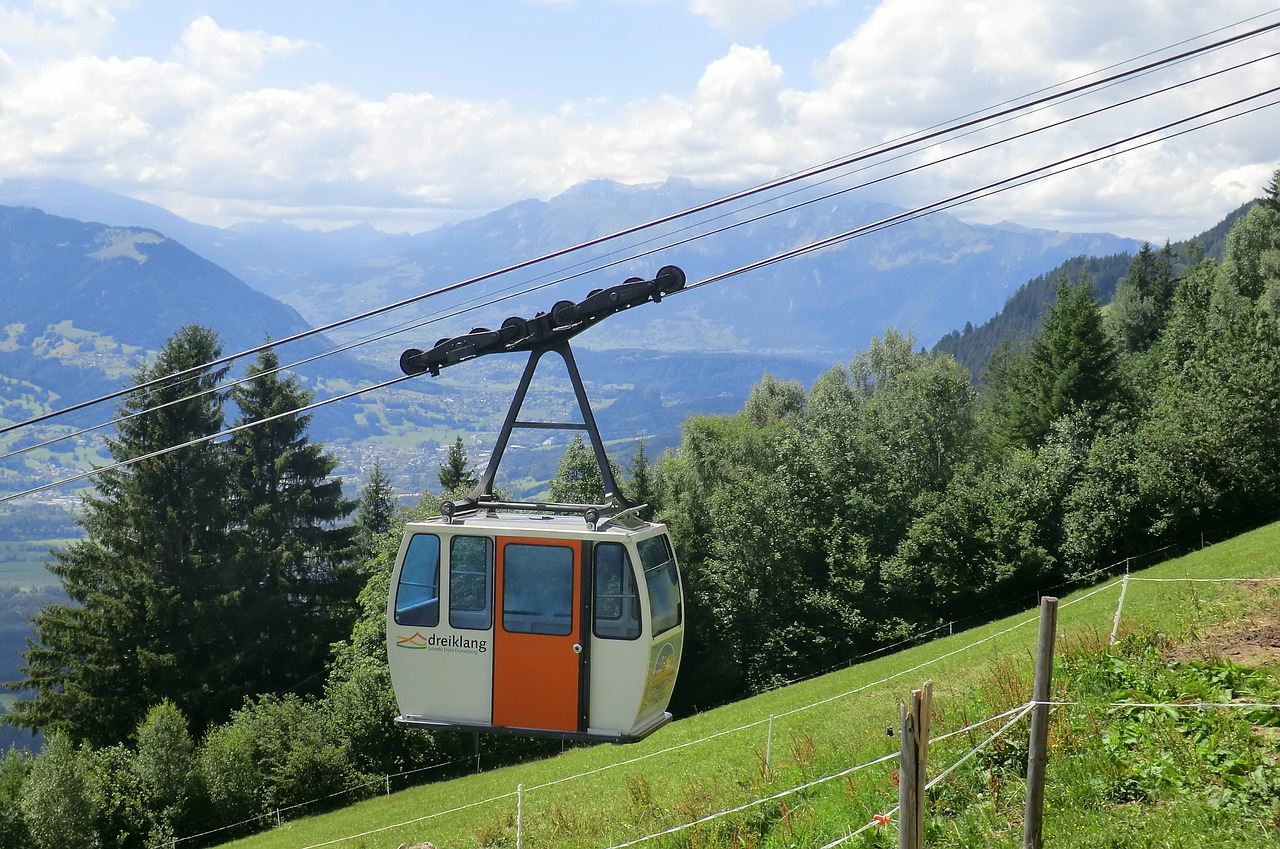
1271,194
298,582
376,510
150,581
643,488
1072,365
454,475
1142,299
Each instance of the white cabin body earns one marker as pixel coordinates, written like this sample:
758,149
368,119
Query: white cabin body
535,624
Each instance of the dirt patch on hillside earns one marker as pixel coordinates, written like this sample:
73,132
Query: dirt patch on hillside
1252,640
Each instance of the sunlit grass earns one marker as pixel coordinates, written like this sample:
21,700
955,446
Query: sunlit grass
605,795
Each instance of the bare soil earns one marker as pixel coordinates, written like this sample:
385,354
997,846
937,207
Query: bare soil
1253,640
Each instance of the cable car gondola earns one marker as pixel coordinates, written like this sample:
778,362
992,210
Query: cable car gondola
562,620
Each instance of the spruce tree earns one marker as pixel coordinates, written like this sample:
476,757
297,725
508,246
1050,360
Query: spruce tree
455,477
298,582
642,488
1142,299
375,512
1271,194
1072,365
150,581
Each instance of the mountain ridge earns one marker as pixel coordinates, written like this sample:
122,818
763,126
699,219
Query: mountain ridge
801,316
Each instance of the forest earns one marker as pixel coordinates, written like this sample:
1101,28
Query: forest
223,654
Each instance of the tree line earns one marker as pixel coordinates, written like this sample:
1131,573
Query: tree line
897,494
225,656
204,574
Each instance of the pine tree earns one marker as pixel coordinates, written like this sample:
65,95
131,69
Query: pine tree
299,585
455,477
1072,365
376,510
643,488
151,578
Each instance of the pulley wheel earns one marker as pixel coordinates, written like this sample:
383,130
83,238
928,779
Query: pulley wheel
564,313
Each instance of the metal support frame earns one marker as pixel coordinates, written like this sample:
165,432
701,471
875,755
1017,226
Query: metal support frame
545,333
484,488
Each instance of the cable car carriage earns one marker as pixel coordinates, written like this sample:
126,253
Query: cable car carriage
562,620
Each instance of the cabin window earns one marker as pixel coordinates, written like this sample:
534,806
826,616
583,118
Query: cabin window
470,580
662,580
418,593
537,589
617,604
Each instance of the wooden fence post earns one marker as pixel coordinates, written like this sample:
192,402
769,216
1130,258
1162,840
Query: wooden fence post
1124,588
1038,745
914,749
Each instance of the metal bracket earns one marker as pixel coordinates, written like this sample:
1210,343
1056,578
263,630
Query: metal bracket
545,332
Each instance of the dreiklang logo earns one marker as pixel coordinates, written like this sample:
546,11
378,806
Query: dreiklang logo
446,642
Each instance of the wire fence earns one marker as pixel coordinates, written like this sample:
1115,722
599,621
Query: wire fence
278,814
281,814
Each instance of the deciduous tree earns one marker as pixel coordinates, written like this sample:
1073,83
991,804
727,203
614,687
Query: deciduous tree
578,479
58,799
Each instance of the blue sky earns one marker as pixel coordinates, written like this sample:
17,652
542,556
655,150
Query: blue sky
536,54
410,114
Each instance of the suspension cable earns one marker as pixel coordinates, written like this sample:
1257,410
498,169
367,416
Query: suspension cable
843,162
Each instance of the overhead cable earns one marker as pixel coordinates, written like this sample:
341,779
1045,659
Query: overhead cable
631,257
1024,178
844,162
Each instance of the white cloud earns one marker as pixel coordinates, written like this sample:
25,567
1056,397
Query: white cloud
917,63
99,117
190,132
229,54
58,26
748,18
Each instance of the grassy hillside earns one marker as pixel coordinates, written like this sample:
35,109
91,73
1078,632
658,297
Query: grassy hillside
824,729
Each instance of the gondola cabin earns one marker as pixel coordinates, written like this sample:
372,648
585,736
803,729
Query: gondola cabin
563,620
547,625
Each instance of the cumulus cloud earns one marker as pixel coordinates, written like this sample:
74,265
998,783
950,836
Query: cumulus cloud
916,64
747,18
58,26
232,55
190,131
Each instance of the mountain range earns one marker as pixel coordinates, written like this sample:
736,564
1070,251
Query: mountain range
90,282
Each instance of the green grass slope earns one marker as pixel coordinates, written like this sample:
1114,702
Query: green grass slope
797,763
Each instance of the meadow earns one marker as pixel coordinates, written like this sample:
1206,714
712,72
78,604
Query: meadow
812,763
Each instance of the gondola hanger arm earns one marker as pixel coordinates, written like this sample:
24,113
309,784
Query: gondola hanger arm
545,333
565,320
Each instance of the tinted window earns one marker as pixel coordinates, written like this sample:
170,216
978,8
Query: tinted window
418,593
617,604
537,582
662,580
470,577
